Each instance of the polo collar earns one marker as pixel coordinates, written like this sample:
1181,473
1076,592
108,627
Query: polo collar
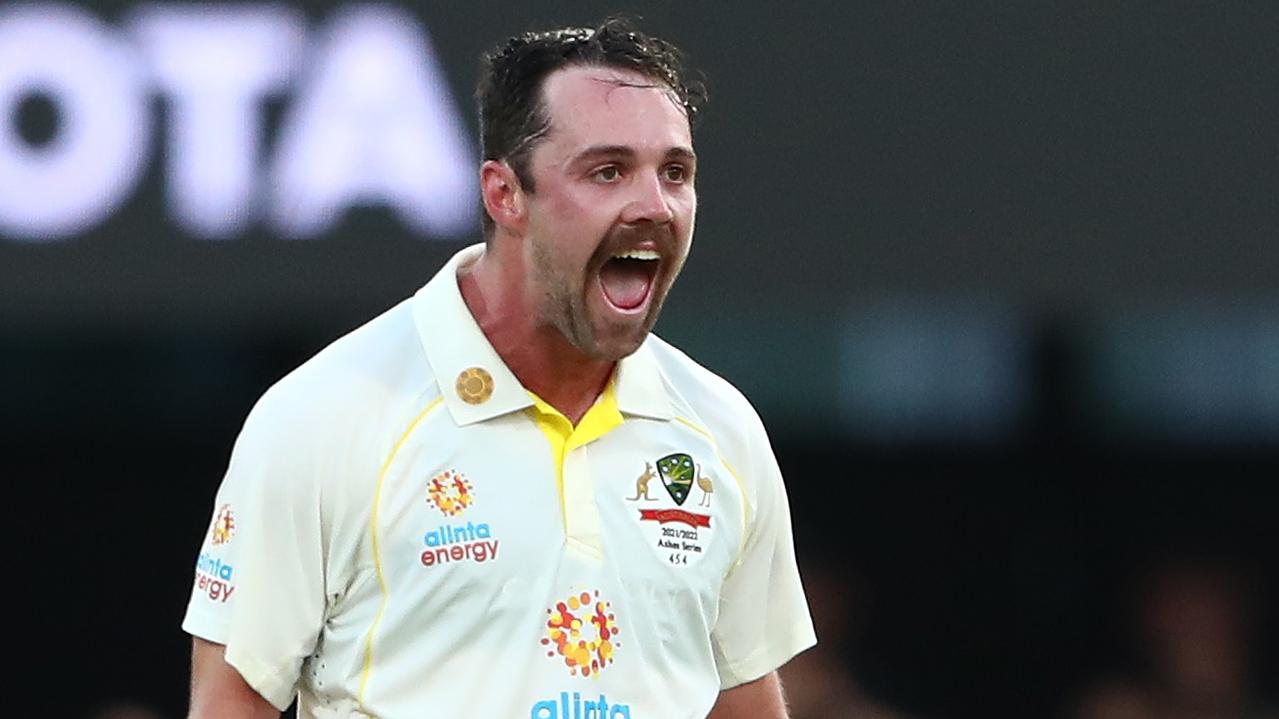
640,388
467,367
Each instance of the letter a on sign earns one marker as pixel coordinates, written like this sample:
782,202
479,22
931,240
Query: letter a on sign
374,125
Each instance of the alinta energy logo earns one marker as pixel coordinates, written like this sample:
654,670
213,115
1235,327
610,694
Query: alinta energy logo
573,706
223,526
212,575
583,630
452,494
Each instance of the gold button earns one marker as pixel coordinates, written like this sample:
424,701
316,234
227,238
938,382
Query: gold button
475,385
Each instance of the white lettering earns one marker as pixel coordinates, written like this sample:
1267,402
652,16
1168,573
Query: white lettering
92,162
374,125
216,64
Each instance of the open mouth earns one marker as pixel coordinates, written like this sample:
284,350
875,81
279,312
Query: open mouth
626,279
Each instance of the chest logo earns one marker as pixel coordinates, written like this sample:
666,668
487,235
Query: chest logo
677,472
582,629
450,492
681,546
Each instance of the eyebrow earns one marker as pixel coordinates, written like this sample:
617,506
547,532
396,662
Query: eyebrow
595,151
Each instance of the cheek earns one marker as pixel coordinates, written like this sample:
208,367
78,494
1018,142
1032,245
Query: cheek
686,214
577,214
684,206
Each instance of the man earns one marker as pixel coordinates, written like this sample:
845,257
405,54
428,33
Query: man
482,502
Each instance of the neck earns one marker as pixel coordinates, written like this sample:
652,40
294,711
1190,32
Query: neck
538,355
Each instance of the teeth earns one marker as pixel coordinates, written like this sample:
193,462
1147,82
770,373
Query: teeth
637,255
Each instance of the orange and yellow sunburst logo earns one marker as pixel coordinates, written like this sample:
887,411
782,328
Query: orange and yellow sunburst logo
450,492
223,525
583,631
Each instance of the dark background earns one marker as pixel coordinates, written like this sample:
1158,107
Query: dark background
1001,279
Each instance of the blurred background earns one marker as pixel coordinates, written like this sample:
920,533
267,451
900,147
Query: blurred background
1002,279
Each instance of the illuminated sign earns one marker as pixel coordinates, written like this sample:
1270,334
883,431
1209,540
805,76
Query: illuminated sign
368,120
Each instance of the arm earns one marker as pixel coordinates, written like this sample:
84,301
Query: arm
217,689
760,699
763,619
258,598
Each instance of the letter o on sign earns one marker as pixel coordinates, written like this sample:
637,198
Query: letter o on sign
98,86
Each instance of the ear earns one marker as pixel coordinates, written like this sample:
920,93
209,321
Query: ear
502,194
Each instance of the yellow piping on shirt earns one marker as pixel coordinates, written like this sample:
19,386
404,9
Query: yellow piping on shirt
377,556
741,486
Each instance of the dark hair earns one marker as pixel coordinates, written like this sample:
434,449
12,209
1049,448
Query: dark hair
512,116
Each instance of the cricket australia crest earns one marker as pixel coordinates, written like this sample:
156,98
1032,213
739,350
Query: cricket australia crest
679,536
676,471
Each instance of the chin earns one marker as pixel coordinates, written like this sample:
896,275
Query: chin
618,348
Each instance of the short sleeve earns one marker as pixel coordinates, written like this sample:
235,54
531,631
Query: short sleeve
763,615
259,578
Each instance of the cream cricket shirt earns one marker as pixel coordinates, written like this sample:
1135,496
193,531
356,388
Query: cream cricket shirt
405,531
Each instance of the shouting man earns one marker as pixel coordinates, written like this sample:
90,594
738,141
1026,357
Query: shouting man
438,516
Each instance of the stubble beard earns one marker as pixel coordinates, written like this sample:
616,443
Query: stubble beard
563,305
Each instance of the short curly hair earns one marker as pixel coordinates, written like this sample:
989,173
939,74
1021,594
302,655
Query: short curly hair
512,116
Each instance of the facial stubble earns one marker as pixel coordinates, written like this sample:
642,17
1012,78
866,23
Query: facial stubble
563,304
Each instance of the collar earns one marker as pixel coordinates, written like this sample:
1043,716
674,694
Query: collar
465,363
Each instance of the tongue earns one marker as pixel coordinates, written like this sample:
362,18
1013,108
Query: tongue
625,284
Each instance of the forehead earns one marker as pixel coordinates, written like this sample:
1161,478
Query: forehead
594,105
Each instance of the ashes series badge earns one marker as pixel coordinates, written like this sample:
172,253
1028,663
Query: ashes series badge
679,536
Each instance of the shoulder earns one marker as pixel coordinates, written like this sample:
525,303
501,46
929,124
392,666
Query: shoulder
361,384
704,398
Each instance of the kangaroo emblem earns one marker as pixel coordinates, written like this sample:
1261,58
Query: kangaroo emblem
707,487
641,483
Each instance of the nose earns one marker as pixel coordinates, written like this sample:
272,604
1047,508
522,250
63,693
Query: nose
648,201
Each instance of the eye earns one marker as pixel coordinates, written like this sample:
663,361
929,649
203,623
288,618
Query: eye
676,173
608,173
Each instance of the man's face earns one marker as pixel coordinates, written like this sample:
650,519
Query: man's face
611,220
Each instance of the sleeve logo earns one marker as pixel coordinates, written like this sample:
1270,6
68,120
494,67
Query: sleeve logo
223,526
